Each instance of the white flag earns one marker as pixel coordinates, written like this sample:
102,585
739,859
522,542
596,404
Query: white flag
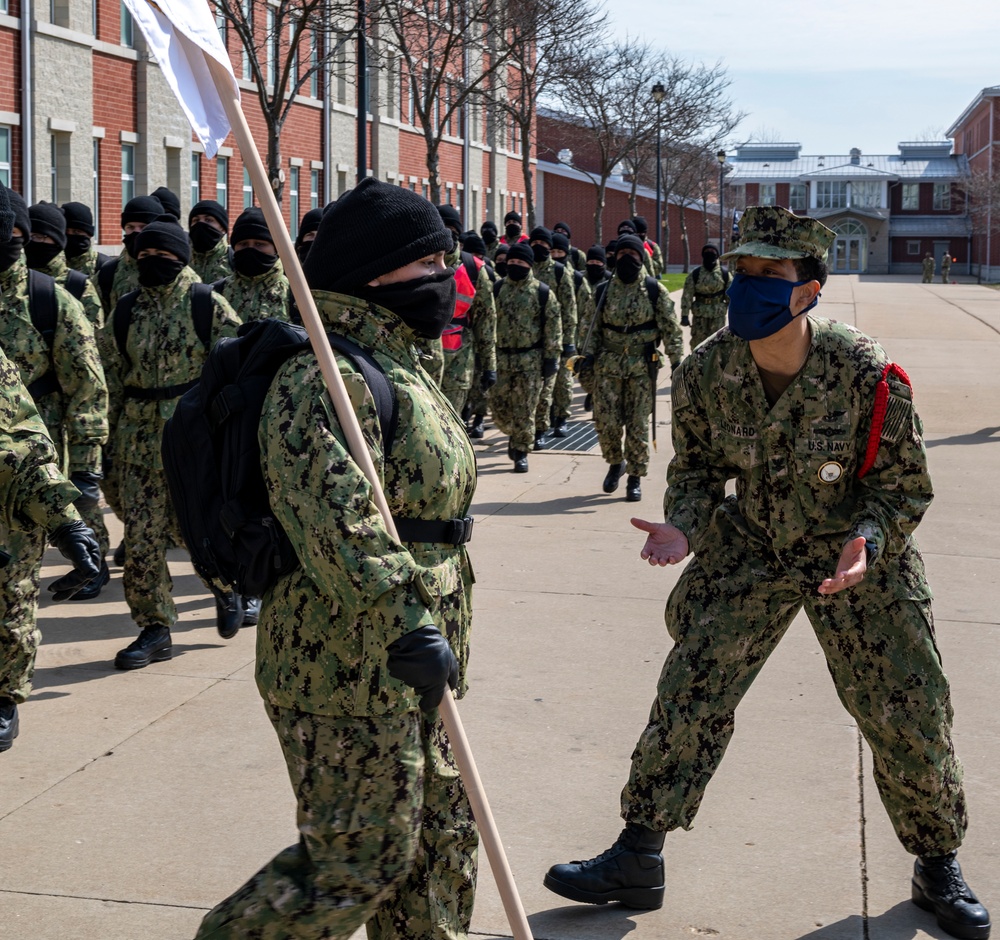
180,33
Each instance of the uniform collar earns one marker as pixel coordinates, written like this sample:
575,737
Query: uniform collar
16,273
367,323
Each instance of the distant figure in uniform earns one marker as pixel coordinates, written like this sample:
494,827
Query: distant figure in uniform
817,428
257,288
928,268
704,300
945,268
208,225
81,255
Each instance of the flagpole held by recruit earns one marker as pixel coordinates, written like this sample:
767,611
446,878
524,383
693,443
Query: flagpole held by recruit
359,451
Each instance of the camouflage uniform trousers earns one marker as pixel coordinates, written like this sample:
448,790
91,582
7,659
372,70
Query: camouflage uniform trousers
514,399
706,319
387,837
457,379
945,273
19,590
732,604
543,411
562,398
623,400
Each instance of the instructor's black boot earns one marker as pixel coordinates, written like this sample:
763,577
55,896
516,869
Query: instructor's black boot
615,472
228,615
588,402
630,872
119,556
251,610
633,489
152,646
520,461
540,439
9,724
559,428
476,429
938,886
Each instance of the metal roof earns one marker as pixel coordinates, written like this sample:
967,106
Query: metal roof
929,227
991,92
839,166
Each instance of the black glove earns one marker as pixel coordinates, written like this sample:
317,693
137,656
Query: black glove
549,368
77,544
569,349
684,320
424,661
90,492
488,379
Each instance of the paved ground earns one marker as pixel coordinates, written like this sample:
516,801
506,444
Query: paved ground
132,802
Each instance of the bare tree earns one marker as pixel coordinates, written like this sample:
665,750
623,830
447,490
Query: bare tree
982,195
547,52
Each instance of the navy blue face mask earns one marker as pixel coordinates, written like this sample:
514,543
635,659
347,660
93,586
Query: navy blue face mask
759,306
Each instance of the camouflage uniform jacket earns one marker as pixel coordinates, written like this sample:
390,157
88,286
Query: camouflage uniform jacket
165,350
626,306
708,290
482,317
255,298
577,259
519,321
212,266
85,263
565,290
33,492
657,259
796,464
324,627
125,281
90,299
76,415
584,308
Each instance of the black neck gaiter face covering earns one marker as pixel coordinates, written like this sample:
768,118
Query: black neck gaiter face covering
513,232
501,268
302,250
9,253
77,245
40,254
425,304
541,253
627,268
709,259
158,271
204,237
595,273
129,242
252,262
518,272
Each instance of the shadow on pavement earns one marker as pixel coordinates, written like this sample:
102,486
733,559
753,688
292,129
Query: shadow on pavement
573,505
607,921
984,436
905,921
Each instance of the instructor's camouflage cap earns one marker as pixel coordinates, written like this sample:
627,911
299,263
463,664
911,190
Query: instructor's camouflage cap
773,232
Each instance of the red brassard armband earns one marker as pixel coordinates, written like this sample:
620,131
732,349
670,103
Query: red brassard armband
879,412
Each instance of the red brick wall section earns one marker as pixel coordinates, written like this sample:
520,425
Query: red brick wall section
10,92
115,112
958,249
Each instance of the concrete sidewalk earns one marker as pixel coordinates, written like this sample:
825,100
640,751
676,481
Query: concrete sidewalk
133,802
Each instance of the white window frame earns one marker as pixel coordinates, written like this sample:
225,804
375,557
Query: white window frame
294,180
831,194
910,197
126,28
314,184
798,205
768,194
6,147
247,189
913,246
942,197
128,177
222,181
96,158
195,177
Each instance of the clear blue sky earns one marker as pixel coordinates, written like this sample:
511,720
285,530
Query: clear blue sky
847,73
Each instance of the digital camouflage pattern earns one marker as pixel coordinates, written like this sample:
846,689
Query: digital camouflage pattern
165,351
927,266
90,300
35,499
76,416
524,339
212,266
759,557
85,263
945,267
125,281
387,837
564,289
562,396
623,386
773,232
655,257
256,298
704,300
478,340
431,357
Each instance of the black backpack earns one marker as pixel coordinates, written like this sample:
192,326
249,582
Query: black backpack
43,310
652,291
211,454
106,280
725,281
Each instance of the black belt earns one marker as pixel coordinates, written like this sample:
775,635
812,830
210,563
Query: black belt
520,349
648,325
158,394
449,532
698,297
45,385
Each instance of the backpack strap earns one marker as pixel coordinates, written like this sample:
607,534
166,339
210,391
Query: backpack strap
577,280
560,271
386,403
106,279
122,320
76,283
201,312
497,284
471,268
102,260
695,274
43,311
653,290
601,295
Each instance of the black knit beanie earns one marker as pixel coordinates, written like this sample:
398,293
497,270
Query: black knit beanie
488,224
47,219
560,241
640,223
310,222
79,216
20,210
474,245
6,215
142,209
522,252
169,200
540,233
626,227
597,253
631,241
166,234
371,230
451,217
512,216
250,224
564,227
210,207
502,249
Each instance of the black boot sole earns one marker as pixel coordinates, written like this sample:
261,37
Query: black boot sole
962,931
640,899
161,656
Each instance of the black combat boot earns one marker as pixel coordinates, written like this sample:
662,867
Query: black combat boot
540,439
152,646
228,615
615,472
938,886
119,556
9,724
559,428
630,872
251,610
476,429
633,489
588,402
520,461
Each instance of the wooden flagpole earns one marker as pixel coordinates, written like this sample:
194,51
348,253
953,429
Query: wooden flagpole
359,451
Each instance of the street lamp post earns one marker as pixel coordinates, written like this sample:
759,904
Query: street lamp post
721,157
659,93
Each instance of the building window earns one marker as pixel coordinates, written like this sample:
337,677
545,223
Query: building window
271,50
293,200
913,247
768,195
128,173
341,66
195,178
246,8
797,197
4,8
220,25
127,28
942,196
866,195
911,197
314,64
247,189
97,185
5,149
314,189
831,195
222,181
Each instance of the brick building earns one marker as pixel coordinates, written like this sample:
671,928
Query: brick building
977,135
86,115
